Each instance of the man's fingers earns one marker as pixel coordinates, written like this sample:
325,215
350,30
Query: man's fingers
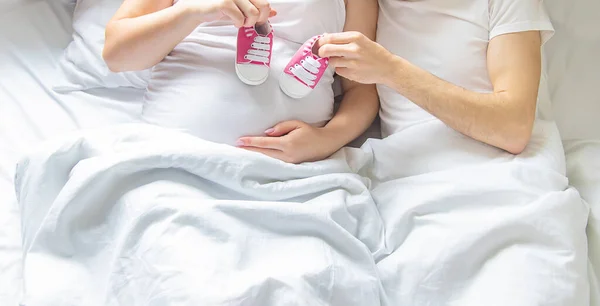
261,142
329,50
340,62
342,38
350,50
250,11
344,72
264,9
231,10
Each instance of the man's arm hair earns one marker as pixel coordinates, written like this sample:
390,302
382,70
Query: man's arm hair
503,118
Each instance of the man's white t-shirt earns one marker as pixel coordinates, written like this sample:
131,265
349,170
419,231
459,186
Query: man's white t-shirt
448,38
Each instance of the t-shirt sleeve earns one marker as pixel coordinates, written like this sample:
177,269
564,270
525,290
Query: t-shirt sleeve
513,16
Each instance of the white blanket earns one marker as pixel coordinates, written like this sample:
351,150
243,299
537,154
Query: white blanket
138,215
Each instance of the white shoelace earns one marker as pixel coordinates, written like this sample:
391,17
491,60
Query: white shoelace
307,70
259,49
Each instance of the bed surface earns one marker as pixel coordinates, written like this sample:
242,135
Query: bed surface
574,67
573,78
583,169
31,112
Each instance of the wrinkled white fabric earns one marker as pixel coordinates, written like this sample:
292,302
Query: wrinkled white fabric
583,168
154,217
469,225
140,215
81,66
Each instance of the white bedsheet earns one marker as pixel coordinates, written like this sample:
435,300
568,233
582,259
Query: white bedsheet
583,168
574,75
32,37
141,215
31,112
574,67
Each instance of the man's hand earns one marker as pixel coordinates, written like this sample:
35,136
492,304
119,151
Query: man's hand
356,57
293,142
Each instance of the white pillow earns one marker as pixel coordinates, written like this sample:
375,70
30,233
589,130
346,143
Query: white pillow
81,67
574,68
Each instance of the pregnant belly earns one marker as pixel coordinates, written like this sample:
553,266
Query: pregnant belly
216,106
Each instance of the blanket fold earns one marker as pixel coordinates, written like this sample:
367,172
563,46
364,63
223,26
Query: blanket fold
140,215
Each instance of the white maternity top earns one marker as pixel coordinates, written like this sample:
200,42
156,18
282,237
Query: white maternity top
195,88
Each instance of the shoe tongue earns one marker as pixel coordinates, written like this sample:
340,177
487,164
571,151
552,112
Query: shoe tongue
263,29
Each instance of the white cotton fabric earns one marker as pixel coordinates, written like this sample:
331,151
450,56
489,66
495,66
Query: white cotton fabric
33,35
437,238
196,88
81,66
450,40
583,169
574,75
142,215
574,67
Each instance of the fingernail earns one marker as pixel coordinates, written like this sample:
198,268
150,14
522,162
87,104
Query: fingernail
269,131
239,143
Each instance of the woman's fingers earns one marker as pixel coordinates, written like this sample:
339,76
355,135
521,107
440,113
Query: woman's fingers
283,128
250,11
261,142
231,10
264,10
247,13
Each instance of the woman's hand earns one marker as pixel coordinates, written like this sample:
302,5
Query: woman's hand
245,13
356,57
293,142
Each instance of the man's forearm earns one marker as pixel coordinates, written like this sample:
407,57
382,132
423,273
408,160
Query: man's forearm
357,111
488,117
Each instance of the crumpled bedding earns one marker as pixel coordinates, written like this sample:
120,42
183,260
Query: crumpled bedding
583,169
572,73
573,77
140,215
